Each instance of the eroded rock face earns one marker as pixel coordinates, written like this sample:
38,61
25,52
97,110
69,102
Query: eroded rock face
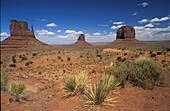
81,37
20,28
125,32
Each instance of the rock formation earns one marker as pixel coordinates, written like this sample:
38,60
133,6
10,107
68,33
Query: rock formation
126,36
22,38
81,42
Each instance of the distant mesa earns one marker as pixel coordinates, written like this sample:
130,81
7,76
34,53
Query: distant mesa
126,36
21,38
81,42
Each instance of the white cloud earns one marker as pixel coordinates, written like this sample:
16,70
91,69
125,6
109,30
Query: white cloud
58,31
4,34
143,21
149,25
159,20
139,27
144,4
51,25
73,32
135,13
43,20
44,32
118,22
116,27
104,25
97,34
40,19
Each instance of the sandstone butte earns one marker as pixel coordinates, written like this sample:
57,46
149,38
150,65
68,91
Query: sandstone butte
81,42
21,38
126,36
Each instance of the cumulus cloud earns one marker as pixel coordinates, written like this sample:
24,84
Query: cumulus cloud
4,34
73,32
51,25
97,34
135,13
44,32
149,25
144,4
139,27
118,22
143,21
154,20
104,25
116,27
58,31
40,19
159,20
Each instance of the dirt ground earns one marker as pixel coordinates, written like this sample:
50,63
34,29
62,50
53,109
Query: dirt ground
48,69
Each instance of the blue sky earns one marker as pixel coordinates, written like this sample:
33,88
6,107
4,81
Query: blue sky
61,21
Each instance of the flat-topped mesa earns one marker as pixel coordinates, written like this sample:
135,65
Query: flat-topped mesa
20,28
125,32
81,37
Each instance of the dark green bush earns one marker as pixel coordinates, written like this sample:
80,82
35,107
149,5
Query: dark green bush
68,59
59,57
13,59
23,58
1,62
34,54
12,65
28,63
44,88
4,79
153,55
118,58
168,49
159,53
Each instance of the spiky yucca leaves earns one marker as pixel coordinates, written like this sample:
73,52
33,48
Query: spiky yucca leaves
76,84
69,83
98,94
17,87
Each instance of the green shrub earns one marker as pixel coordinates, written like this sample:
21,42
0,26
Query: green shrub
1,62
17,87
159,53
125,53
68,59
168,49
44,88
98,94
13,59
59,57
153,55
28,63
12,65
151,52
118,58
69,83
146,73
34,54
23,58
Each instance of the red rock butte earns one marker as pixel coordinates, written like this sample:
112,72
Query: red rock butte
126,36
21,38
81,42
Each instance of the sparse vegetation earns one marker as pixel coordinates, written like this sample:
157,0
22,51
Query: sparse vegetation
28,63
44,88
12,65
17,87
4,79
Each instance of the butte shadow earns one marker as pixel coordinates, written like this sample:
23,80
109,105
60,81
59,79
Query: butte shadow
21,38
126,36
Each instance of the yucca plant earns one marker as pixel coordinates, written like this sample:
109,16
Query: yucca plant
99,94
76,84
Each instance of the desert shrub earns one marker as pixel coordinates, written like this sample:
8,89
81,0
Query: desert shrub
10,100
120,71
168,49
68,59
163,61
13,59
59,57
146,73
44,88
143,72
99,93
71,63
24,95
4,79
153,55
93,71
81,56
118,58
98,55
23,58
58,52
12,65
34,54
151,52
28,63
125,53
1,62
76,84
159,53
17,87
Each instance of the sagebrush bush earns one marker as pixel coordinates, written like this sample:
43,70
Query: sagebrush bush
4,79
99,93
146,73
12,65
17,87
143,72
